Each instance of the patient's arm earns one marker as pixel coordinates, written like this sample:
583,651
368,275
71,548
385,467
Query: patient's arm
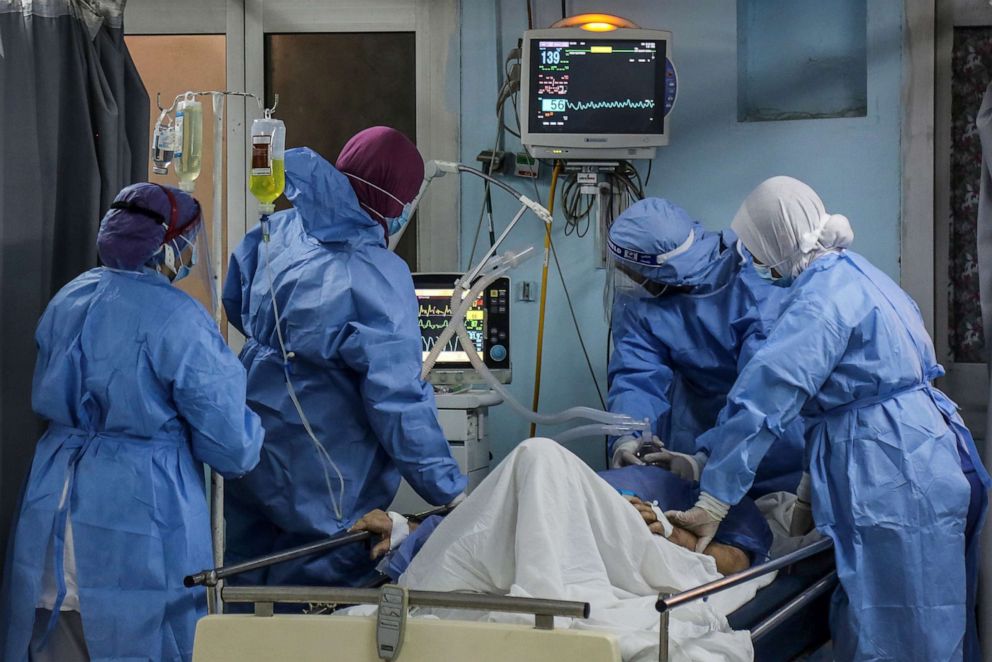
728,559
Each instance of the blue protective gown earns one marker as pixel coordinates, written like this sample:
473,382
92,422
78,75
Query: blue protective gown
676,356
888,459
350,317
138,389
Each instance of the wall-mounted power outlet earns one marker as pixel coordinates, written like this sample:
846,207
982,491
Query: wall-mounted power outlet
527,291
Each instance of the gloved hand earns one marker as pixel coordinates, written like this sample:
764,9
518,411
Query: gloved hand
703,519
625,452
683,465
802,511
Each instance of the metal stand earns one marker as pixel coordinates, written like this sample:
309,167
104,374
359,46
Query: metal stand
663,641
215,604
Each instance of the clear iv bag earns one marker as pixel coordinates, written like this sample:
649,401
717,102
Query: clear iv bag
189,142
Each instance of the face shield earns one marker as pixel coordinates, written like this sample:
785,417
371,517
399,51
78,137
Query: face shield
627,277
191,262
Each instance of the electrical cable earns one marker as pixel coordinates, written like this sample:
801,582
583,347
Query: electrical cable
482,210
575,321
573,209
536,401
571,308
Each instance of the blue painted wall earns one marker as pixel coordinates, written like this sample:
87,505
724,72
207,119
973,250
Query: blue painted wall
713,161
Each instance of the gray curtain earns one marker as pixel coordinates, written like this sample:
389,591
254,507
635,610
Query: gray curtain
73,132
984,125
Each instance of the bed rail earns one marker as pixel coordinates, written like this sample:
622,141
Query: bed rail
213,576
667,602
793,606
265,597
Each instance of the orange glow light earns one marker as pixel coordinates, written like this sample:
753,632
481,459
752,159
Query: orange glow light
596,26
595,22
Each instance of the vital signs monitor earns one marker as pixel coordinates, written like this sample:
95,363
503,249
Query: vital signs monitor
587,95
487,323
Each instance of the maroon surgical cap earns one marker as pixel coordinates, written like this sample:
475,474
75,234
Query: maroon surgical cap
388,159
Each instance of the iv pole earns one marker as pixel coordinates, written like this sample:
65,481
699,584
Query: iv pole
215,603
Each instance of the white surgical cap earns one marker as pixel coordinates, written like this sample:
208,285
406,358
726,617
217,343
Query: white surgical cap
784,225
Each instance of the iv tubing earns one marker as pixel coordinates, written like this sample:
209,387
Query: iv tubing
286,357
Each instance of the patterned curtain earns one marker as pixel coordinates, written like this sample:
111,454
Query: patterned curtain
971,73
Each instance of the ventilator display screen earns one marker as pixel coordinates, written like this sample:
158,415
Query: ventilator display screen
597,86
487,323
434,315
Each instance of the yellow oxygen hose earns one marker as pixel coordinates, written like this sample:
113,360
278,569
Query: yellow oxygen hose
544,296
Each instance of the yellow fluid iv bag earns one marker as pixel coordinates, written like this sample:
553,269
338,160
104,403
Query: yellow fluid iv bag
267,175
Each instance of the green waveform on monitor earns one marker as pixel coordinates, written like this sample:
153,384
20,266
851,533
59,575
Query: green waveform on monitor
599,105
559,105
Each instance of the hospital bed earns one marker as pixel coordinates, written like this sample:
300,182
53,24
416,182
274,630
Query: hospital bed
785,618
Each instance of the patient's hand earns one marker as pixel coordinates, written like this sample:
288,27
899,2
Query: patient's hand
728,559
378,523
647,512
684,538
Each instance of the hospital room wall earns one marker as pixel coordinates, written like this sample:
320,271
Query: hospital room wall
713,161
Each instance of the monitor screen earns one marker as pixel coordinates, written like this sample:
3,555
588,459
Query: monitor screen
435,312
597,86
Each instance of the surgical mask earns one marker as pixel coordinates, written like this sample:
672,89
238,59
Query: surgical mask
396,223
184,268
766,272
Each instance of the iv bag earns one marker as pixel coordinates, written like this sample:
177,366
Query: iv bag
267,176
189,142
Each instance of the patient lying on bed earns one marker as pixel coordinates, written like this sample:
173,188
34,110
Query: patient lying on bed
743,538
543,524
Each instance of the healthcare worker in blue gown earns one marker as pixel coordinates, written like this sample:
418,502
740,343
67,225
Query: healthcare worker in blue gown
349,322
687,310
896,480
138,389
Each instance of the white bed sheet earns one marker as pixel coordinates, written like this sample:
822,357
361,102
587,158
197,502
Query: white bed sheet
543,524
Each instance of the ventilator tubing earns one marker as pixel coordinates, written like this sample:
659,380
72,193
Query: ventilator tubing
604,423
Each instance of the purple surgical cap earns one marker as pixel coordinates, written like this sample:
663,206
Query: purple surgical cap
139,220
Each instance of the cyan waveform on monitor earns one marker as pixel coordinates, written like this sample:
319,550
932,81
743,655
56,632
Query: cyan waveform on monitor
429,342
611,105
